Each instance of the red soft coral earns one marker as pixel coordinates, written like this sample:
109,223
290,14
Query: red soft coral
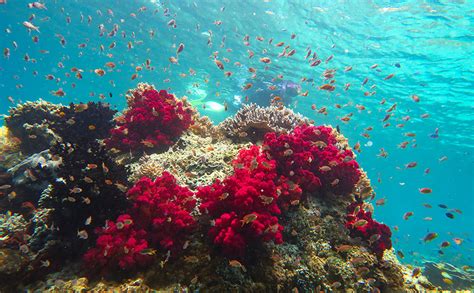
163,208
160,218
119,246
310,157
244,206
153,120
360,224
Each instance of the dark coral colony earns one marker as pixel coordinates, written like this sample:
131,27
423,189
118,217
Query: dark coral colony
158,197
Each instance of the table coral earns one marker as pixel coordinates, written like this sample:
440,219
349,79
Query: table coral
154,119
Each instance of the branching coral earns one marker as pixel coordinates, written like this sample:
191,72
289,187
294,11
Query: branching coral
310,157
89,185
360,224
153,120
251,122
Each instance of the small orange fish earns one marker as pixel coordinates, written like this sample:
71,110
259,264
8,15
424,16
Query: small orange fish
430,236
327,87
249,218
425,190
407,215
99,72
110,65
173,60
389,76
59,93
236,264
219,64
265,60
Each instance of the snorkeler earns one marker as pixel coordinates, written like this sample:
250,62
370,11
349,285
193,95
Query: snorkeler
263,92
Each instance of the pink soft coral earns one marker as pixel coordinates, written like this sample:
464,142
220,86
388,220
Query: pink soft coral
119,245
360,224
244,206
310,157
153,120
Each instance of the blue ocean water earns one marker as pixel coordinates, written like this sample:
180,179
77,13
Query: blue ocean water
426,45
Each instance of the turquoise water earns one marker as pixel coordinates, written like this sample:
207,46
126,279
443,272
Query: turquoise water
427,45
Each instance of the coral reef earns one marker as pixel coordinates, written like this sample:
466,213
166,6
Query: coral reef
153,120
84,123
9,148
119,246
252,122
204,213
163,208
194,161
244,206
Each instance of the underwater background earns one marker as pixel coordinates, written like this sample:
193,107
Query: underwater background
426,45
